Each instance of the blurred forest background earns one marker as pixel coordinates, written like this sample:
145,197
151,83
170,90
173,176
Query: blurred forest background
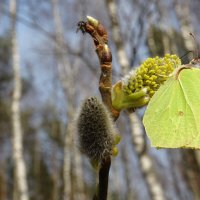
46,70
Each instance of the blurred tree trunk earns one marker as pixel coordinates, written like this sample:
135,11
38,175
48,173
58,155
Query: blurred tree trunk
192,171
146,163
3,182
36,166
73,187
125,159
167,46
182,10
54,176
19,162
117,38
114,179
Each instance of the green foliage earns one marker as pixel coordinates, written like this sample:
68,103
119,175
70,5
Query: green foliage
172,118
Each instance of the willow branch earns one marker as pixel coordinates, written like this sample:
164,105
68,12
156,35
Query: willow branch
100,38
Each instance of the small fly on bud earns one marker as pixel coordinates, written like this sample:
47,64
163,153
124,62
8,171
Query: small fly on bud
81,26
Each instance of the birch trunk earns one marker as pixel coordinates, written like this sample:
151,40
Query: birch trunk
146,163
19,162
125,159
66,75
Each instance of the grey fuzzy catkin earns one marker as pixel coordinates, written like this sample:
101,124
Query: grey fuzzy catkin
95,129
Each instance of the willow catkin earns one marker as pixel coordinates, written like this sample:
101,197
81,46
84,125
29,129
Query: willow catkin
95,129
150,74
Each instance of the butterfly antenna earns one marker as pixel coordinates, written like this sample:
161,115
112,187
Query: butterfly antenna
196,54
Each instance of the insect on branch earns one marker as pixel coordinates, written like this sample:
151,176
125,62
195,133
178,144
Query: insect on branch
100,38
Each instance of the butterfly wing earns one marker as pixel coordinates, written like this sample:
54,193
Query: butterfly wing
190,83
171,119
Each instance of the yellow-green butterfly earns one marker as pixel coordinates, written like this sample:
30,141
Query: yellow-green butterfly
172,118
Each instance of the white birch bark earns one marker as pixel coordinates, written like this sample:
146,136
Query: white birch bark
66,75
19,162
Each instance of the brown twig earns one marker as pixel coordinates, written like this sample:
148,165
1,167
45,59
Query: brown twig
100,38
103,178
